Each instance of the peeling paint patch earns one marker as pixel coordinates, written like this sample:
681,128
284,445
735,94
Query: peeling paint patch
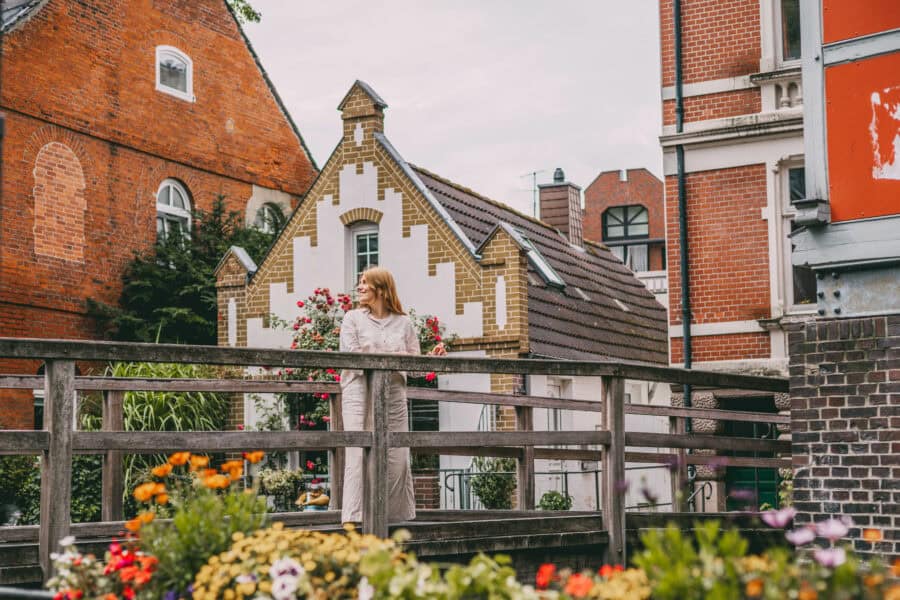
885,132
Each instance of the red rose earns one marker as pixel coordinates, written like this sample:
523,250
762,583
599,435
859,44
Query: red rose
437,338
300,304
429,377
545,576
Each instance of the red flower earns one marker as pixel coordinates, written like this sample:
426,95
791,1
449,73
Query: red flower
605,571
545,575
326,419
128,593
310,465
579,585
437,338
296,326
240,427
429,377
300,304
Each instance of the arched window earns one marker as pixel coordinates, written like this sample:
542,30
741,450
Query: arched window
174,73
173,210
269,218
363,249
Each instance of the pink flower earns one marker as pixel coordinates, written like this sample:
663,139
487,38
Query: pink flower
779,518
240,427
437,338
830,557
296,326
300,304
336,377
293,345
310,465
429,377
834,529
326,419
800,537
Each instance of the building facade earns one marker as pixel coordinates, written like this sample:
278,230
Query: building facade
508,285
733,160
121,117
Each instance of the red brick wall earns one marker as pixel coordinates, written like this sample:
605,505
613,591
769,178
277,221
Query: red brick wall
641,187
89,140
715,106
709,348
427,487
728,255
720,38
845,425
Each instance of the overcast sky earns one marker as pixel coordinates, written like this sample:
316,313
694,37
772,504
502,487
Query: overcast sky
482,92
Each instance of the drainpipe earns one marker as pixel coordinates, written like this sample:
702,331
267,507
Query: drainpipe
682,209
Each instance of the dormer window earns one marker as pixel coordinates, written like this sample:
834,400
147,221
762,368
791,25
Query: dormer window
174,73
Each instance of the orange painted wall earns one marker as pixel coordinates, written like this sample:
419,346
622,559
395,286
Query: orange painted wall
846,19
863,123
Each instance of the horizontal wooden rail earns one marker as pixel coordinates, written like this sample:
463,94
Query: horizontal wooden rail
713,414
25,348
414,393
705,442
24,442
451,439
155,442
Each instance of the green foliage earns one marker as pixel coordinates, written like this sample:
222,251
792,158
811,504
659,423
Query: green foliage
554,500
20,486
244,11
494,482
169,294
683,569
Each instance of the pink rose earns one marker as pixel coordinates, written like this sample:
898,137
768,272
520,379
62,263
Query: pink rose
430,376
300,304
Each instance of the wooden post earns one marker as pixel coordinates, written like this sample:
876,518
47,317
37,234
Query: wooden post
56,462
336,456
375,477
613,468
525,470
113,477
678,469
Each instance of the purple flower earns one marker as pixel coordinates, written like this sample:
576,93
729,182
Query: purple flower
170,595
649,495
834,529
622,486
673,461
830,557
779,518
800,537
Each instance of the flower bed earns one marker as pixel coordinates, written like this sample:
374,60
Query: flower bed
217,543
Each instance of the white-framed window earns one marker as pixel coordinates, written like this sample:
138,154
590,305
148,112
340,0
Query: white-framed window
173,210
174,73
799,282
363,249
269,218
788,17
622,226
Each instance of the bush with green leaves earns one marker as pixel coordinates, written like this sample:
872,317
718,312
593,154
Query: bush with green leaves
169,293
554,500
494,481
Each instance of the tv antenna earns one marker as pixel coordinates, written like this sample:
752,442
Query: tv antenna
534,190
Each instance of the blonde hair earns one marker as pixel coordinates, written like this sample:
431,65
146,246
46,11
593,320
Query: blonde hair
381,280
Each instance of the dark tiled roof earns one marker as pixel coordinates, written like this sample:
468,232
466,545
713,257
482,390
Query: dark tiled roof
562,323
16,11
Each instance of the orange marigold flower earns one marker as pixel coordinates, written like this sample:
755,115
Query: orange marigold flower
207,473
754,588
146,516
545,575
235,474
162,470
162,498
807,592
148,562
895,568
217,482
231,464
872,535
579,585
254,457
873,580
145,491
133,525
127,574
199,462
179,458
110,597
893,592
159,489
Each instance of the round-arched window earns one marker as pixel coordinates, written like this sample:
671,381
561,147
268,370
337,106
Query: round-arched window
173,210
269,218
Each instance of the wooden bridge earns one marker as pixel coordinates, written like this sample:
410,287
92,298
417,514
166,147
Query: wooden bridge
435,533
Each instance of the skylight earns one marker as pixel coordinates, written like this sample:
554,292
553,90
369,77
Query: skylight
540,263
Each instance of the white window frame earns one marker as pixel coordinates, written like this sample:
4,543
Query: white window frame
173,52
771,37
354,231
788,213
167,210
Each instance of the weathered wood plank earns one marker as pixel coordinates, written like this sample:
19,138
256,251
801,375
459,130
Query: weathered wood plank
128,351
113,476
56,463
707,413
450,439
709,442
248,386
153,442
21,382
498,451
502,399
613,468
679,477
376,478
23,442
525,464
337,456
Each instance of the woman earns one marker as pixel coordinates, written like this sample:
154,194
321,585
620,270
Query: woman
378,326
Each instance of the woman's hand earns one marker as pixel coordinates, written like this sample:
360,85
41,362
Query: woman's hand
438,350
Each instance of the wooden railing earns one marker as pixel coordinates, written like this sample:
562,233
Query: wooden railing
59,440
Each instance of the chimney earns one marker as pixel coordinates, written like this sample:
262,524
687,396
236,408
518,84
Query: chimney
560,207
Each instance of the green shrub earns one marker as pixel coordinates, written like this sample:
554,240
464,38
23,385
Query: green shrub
554,500
495,482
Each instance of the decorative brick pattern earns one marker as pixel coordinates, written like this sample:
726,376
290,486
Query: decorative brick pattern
59,204
427,486
845,414
361,214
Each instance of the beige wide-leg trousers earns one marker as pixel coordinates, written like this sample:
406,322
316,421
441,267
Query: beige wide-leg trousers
357,413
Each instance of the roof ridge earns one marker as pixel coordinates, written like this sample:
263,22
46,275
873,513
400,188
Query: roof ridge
472,192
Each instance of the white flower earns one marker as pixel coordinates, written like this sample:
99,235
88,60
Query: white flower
365,589
834,529
67,541
779,518
286,566
283,588
800,537
830,557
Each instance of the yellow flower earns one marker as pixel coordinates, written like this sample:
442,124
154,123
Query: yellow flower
162,470
179,458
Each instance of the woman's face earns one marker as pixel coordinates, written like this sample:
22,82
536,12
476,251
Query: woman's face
365,292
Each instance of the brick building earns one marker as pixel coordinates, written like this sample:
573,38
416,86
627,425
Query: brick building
733,161
121,114
509,285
